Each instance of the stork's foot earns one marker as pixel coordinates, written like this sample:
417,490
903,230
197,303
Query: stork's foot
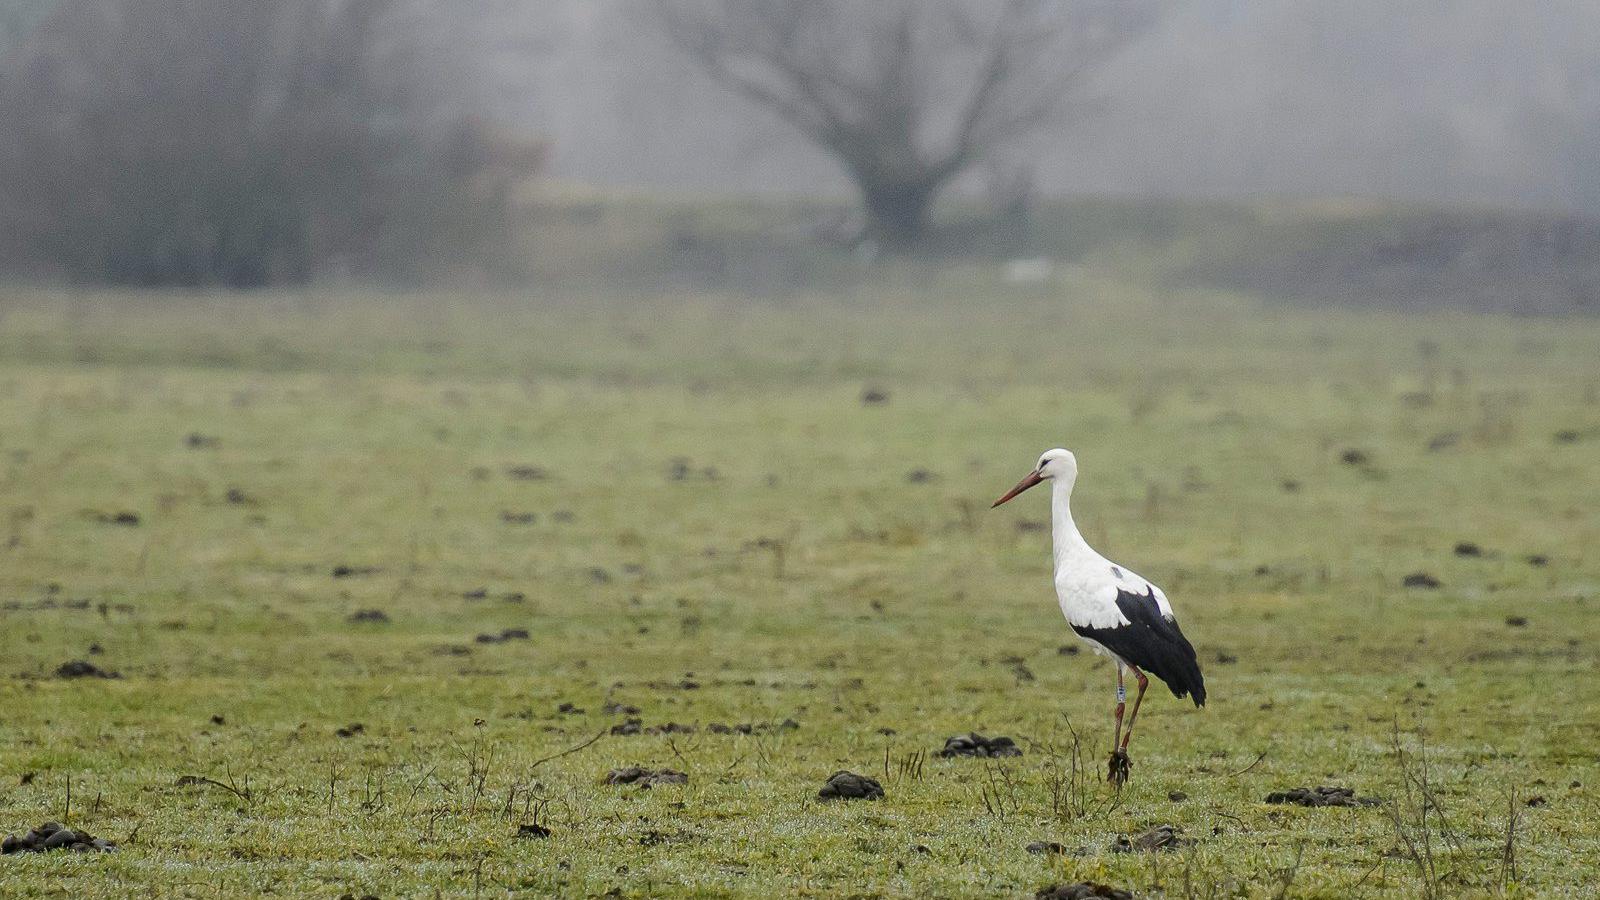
1118,767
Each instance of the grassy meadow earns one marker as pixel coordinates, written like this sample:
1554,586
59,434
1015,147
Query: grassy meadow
280,517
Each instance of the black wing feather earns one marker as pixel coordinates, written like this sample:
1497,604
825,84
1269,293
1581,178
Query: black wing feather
1152,642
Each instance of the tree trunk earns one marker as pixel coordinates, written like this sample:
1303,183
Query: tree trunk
897,211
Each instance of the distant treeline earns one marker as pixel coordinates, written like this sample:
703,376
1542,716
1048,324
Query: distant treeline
242,143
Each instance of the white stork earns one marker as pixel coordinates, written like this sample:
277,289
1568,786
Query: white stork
1116,612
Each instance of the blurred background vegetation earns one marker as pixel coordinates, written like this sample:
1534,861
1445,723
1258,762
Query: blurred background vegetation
764,145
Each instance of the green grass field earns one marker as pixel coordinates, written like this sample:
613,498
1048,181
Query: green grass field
686,503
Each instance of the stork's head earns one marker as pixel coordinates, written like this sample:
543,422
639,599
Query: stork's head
1059,465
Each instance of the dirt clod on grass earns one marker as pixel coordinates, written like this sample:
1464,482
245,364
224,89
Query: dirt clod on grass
509,634
1517,621
1421,580
1161,837
1082,890
78,668
1468,548
631,726
1040,848
844,785
377,616
53,836
533,831
344,571
975,744
351,730
646,778
1321,796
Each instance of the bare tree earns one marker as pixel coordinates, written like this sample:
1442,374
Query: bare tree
906,94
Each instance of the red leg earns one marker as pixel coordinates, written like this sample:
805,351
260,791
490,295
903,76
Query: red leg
1121,705
1117,766
1138,698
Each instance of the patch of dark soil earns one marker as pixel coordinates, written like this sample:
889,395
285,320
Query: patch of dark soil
509,634
646,778
1443,441
219,719
1537,801
1039,848
1177,796
198,441
1082,890
1568,436
1421,580
534,831
741,728
351,730
1068,650
1355,457
1537,560
527,473
238,497
1517,621
920,476
1225,658
670,728
1161,837
874,397
850,786
452,650
684,469
476,594
519,518
370,615
632,726
977,745
125,518
620,709
53,836
1468,548
569,709
78,668
344,571
1321,796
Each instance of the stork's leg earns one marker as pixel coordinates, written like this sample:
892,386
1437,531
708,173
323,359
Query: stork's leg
1122,704
1117,766
1138,698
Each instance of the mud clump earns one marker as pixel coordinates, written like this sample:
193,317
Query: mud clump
975,744
1082,890
344,571
874,397
509,634
1421,580
1041,848
533,831
351,730
1321,796
53,836
646,778
630,727
80,669
1161,837
376,616
1468,548
844,785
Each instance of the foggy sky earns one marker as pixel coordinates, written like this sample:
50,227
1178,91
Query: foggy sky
1475,101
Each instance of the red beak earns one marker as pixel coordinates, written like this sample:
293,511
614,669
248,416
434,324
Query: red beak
1032,479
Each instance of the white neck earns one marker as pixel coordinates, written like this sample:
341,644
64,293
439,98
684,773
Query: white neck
1068,542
